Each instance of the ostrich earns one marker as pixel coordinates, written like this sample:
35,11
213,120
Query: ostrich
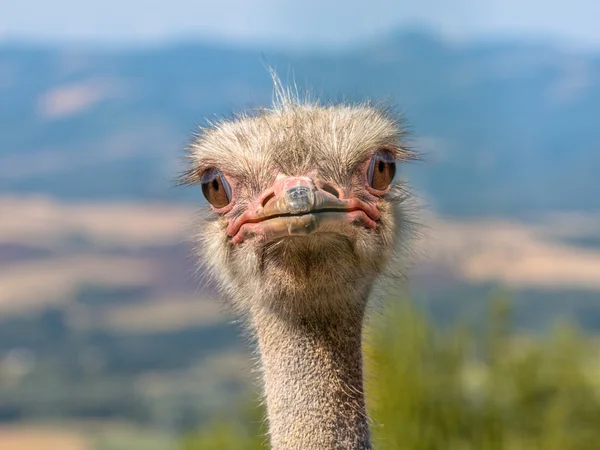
304,217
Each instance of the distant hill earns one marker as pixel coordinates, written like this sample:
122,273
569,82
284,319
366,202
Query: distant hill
505,128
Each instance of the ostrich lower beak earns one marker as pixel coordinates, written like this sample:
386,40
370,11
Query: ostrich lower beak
297,207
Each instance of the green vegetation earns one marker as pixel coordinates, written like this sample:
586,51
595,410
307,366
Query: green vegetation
453,388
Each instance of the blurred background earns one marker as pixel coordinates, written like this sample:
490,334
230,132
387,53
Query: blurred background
110,341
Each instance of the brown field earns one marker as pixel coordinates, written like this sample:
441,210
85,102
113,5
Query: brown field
84,435
162,314
27,437
24,285
40,221
516,254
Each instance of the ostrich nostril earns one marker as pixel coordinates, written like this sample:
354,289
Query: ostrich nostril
331,190
267,199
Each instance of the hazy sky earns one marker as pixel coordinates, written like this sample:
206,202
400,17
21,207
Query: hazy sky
300,22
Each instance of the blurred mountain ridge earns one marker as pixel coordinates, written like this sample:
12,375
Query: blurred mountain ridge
505,128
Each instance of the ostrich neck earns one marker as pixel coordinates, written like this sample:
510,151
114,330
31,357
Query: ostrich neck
313,382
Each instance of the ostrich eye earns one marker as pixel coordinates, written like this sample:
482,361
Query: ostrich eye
215,188
382,170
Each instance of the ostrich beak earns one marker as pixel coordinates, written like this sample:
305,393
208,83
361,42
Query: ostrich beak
297,206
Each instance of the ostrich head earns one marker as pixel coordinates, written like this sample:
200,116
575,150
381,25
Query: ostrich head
304,204
305,212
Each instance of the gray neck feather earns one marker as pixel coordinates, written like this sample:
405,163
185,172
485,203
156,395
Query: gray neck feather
313,381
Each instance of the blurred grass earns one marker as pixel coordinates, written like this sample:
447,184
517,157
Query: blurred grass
248,432
456,388
134,442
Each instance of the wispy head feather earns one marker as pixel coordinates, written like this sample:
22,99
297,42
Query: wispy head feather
286,96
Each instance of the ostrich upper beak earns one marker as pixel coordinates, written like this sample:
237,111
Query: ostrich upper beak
297,206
